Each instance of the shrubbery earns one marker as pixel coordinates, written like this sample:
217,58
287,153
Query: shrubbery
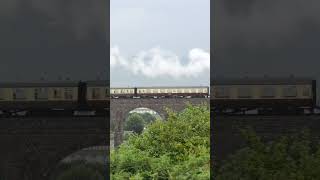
79,170
178,148
294,157
135,123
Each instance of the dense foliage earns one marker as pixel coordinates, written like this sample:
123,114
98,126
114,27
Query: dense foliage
294,157
177,148
134,123
148,118
79,170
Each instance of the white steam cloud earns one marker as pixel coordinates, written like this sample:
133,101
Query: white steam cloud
157,63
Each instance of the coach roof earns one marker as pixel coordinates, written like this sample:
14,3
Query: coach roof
38,84
261,81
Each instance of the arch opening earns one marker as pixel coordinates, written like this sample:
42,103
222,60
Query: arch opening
87,162
133,121
138,119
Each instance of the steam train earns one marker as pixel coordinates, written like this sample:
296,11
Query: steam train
54,96
160,92
263,96
80,96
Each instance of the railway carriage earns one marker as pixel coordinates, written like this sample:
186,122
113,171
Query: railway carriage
278,95
97,94
38,95
119,92
156,92
79,97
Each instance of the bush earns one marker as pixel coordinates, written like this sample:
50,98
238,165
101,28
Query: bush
178,148
134,123
148,118
80,172
290,157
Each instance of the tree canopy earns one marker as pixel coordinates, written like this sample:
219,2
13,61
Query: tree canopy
177,148
81,172
135,123
295,157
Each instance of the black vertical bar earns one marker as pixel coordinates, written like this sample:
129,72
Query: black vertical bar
314,93
212,34
82,94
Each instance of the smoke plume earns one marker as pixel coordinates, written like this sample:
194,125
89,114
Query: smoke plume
157,62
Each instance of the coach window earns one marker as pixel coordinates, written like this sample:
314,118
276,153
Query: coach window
56,93
290,91
68,93
268,92
306,92
221,92
96,93
244,92
19,94
41,93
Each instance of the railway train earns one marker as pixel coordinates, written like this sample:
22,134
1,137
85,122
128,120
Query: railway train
79,96
160,92
53,96
263,96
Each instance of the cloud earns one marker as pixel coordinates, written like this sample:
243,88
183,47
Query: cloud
116,59
157,62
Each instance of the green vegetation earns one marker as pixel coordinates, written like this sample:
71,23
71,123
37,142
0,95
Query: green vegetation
136,122
178,148
148,118
79,170
294,157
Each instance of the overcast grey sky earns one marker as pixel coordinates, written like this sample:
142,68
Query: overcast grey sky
53,39
160,42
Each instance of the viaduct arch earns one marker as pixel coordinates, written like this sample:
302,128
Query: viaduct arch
31,147
120,109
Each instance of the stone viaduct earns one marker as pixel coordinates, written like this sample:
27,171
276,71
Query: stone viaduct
120,109
33,146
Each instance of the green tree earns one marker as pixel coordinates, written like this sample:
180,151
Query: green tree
134,123
80,172
295,157
177,148
148,118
